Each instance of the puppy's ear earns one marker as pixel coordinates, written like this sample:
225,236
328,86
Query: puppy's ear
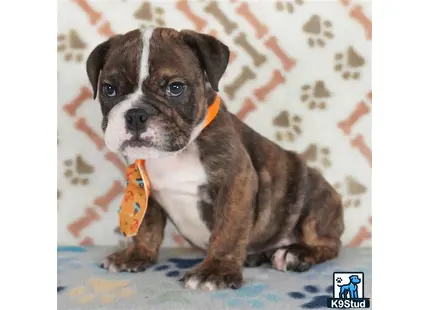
95,63
211,52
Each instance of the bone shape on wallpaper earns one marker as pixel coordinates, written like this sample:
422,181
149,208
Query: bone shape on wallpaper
233,56
358,14
114,159
276,80
86,241
287,62
244,76
90,215
260,29
360,110
114,191
213,33
214,9
362,235
84,95
243,42
106,30
95,17
359,143
184,7
247,107
82,125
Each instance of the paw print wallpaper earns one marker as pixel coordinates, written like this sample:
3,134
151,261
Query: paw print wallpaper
299,74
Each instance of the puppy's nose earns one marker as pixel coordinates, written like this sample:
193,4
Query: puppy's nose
135,119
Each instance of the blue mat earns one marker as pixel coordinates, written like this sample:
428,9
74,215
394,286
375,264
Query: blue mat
82,284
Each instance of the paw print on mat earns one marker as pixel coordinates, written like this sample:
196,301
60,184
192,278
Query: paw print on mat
289,126
101,291
288,5
314,96
71,45
312,297
349,64
149,16
318,31
77,168
254,296
180,264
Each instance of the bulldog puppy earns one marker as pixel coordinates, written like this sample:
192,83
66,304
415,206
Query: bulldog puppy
227,189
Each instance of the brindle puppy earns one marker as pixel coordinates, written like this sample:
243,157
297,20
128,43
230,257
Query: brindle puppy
227,189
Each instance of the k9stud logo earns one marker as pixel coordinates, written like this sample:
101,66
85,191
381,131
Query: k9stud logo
348,291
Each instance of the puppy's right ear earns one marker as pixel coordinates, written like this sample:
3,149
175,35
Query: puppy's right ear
95,63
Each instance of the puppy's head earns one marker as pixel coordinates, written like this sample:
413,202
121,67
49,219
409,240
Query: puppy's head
154,87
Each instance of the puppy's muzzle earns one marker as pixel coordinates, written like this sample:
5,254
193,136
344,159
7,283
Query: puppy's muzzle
135,120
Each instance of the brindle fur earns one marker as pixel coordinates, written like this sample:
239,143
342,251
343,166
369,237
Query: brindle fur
259,197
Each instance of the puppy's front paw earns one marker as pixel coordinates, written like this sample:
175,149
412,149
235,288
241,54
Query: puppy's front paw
213,274
132,259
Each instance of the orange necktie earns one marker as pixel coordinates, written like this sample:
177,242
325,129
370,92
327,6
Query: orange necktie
135,201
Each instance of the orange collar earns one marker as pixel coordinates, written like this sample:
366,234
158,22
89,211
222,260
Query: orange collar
212,111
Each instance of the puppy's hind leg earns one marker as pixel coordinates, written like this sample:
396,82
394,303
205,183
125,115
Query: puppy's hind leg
318,236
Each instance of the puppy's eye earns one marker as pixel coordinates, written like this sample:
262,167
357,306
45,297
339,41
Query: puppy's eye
175,89
109,90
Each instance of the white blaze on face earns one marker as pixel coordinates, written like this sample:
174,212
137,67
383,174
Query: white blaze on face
116,133
144,58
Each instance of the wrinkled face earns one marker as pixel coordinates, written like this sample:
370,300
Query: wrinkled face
154,89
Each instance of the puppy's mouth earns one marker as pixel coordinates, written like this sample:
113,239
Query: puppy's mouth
136,142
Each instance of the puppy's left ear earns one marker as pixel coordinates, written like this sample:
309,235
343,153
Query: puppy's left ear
96,61
211,52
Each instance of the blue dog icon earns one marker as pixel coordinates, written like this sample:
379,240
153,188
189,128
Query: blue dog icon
350,289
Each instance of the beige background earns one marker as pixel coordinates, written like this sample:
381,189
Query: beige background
300,74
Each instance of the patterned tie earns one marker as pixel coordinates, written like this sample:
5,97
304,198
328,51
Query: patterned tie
135,201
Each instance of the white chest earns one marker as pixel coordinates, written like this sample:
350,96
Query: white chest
175,182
